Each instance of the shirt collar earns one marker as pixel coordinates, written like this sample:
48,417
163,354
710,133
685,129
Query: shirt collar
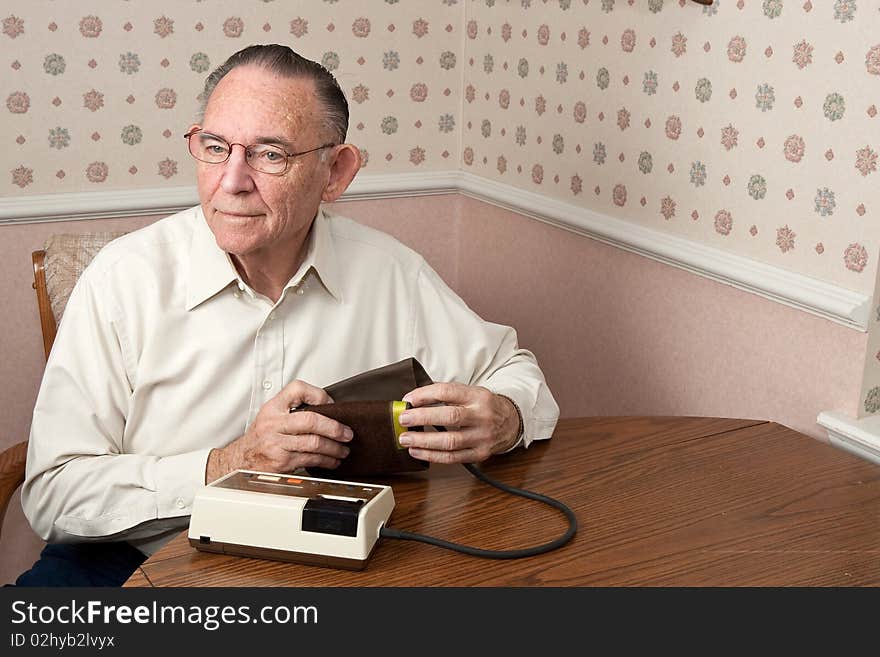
211,269
321,255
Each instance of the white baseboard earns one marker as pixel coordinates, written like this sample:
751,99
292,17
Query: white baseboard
860,437
811,295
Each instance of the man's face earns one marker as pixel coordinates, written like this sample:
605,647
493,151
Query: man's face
254,214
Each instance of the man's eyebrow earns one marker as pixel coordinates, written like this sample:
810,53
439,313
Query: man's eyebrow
270,139
274,140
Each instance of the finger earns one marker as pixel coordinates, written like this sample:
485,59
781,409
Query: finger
446,441
304,460
440,456
305,422
310,443
438,416
299,392
435,393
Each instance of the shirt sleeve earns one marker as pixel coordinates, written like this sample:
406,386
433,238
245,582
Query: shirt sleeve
455,344
81,483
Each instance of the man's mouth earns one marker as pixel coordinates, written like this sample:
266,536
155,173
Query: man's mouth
238,214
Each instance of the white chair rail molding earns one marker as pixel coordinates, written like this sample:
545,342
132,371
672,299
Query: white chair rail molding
858,436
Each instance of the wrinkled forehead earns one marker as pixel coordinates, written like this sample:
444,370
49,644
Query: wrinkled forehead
251,101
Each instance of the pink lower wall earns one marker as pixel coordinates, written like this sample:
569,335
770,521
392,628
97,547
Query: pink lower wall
21,364
620,334
616,333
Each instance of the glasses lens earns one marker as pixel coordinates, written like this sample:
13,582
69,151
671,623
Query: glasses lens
268,159
208,148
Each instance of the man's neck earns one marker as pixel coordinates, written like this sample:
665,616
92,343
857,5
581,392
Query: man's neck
267,272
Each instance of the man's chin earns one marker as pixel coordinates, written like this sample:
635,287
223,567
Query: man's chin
235,242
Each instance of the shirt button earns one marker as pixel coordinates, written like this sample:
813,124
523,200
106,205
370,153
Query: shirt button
267,385
237,294
271,316
300,291
180,503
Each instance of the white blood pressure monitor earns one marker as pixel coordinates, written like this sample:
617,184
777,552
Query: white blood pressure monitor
290,518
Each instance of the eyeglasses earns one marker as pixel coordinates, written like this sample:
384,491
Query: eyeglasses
264,158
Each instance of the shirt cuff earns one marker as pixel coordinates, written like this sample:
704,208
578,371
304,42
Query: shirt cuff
177,479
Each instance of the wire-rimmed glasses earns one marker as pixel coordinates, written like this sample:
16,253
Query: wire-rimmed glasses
265,158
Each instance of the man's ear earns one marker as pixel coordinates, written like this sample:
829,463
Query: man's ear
344,166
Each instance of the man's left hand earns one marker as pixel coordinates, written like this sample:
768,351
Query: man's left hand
479,423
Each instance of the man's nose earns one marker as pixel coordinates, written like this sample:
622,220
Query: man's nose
236,172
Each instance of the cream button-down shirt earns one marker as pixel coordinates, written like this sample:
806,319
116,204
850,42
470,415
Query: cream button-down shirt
164,353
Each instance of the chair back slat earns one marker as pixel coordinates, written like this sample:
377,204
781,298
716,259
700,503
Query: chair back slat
57,267
47,319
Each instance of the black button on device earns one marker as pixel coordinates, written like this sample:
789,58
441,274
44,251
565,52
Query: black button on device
329,516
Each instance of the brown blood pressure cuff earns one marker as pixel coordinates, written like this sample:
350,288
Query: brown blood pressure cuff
364,402
388,382
374,450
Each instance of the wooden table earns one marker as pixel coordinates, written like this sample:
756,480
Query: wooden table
660,501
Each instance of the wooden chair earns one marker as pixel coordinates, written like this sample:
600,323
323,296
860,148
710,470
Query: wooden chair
57,266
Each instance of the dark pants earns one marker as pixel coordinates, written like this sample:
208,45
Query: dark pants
83,564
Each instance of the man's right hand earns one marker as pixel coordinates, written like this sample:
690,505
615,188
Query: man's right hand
281,441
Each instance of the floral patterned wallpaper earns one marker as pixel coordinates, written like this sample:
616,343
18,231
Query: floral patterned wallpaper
750,125
99,93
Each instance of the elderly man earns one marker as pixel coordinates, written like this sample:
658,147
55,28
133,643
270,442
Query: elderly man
185,344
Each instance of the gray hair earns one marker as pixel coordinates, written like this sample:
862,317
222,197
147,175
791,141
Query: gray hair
284,61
